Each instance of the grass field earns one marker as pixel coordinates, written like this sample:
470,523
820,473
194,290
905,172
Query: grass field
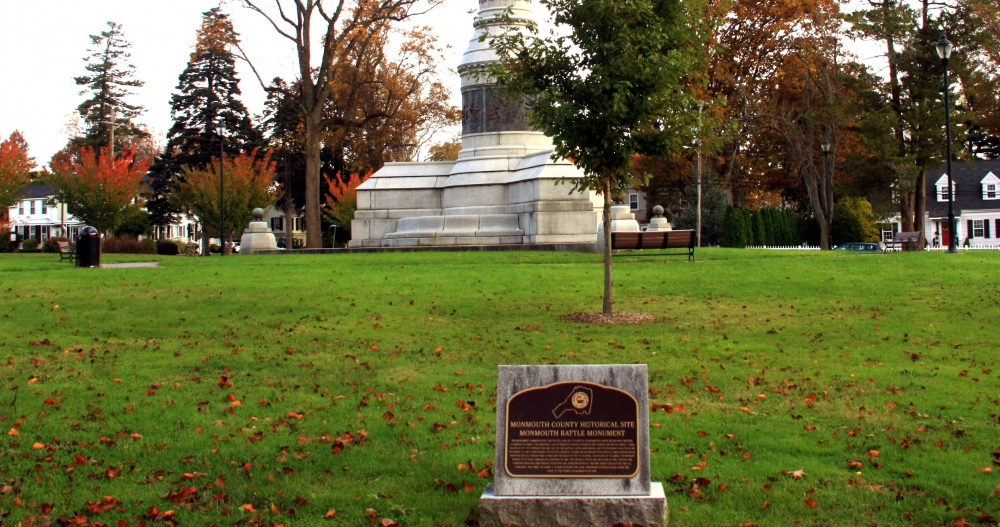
277,390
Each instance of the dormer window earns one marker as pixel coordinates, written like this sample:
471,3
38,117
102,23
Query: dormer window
942,189
991,187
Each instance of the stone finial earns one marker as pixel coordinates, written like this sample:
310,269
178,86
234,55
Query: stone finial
258,214
658,211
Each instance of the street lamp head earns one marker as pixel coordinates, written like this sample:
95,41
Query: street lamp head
944,48
220,125
825,145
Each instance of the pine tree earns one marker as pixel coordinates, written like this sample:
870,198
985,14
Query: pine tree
207,90
110,80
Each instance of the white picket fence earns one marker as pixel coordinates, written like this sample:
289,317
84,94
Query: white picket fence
784,247
973,248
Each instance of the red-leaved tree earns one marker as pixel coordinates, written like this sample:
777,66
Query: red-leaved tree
98,189
342,199
249,183
15,172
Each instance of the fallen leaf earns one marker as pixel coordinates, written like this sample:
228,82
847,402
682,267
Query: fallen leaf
811,503
330,513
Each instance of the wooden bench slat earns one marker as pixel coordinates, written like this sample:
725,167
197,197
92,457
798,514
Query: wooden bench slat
656,240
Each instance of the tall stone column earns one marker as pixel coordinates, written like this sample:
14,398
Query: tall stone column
491,124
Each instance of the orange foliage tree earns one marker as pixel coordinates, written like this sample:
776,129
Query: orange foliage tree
99,190
249,183
342,199
345,29
15,171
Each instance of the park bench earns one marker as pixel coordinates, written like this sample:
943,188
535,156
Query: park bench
637,241
66,251
904,241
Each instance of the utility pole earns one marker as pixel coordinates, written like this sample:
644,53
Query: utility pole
698,220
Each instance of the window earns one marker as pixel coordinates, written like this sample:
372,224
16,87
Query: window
297,226
20,208
277,224
45,207
978,229
633,202
991,192
31,207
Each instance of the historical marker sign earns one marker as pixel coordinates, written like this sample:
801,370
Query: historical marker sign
572,430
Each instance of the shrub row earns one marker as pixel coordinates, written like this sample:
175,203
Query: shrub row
128,245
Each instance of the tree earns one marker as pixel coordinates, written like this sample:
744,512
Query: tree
15,170
100,191
342,200
713,209
136,223
248,185
207,90
446,151
348,30
759,230
854,222
109,81
610,88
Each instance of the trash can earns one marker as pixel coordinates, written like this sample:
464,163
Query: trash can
88,248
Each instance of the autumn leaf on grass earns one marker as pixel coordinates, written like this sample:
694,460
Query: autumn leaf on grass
797,474
386,522
183,495
811,503
249,508
766,505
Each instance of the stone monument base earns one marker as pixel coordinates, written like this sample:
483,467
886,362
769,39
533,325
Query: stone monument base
572,511
257,238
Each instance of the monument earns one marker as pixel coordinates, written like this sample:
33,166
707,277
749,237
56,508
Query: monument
257,237
658,223
504,189
572,448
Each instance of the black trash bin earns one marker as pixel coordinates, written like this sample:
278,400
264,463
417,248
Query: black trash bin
88,248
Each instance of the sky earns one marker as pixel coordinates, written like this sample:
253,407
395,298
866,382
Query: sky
44,44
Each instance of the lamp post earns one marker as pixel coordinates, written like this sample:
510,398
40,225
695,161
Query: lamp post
825,145
221,129
944,51
335,235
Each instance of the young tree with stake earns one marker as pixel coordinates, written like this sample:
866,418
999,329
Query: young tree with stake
609,89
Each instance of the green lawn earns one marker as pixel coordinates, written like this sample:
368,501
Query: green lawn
275,389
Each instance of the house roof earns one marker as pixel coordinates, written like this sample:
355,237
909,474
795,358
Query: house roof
37,191
967,178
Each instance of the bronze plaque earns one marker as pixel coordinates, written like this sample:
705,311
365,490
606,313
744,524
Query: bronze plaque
572,430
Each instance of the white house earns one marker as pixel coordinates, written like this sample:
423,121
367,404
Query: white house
275,219
35,216
976,190
38,216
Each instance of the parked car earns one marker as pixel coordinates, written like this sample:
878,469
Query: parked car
860,247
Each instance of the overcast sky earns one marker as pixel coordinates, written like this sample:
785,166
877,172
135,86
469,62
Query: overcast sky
43,45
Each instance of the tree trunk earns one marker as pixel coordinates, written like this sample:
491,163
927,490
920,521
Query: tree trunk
314,234
289,209
206,243
906,200
609,301
920,209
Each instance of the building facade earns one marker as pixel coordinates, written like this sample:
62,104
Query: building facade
976,190
37,217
